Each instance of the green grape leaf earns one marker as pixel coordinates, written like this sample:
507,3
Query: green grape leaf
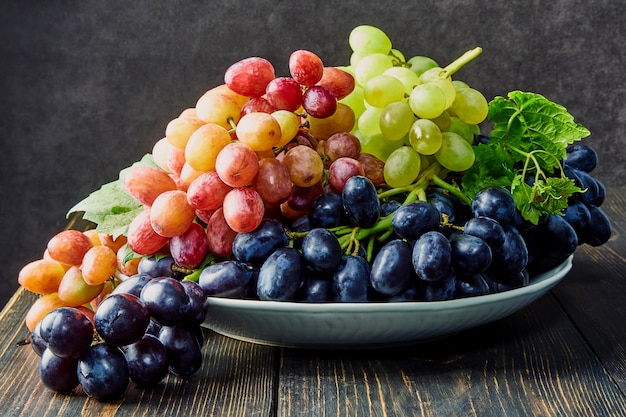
111,208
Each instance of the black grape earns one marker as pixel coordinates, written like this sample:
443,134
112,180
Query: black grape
598,230
471,285
512,257
327,211
197,302
444,207
166,300
485,228
392,270
67,332
351,280
577,215
281,275
494,202
254,247
226,279
36,341
582,157
360,201
121,319
432,256
183,350
321,250
440,290
470,254
315,290
103,372
412,220
147,361
58,374
388,207
158,266
132,285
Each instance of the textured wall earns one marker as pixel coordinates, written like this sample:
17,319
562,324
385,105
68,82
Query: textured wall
87,87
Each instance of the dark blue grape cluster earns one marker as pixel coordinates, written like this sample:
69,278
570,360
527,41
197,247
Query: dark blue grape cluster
147,327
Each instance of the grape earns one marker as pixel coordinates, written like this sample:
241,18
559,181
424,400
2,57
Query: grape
36,341
228,279
220,236
381,90
510,258
207,192
440,290
260,131
132,285
179,130
272,181
366,39
198,307
121,319
204,145
284,93
577,215
408,78
171,214
461,128
360,201
470,106
305,165
166,300
395,120
425,137
444,207
254,247
289,125
371,66
342,120
392,270
157,266
455,153
237,164
327,211
99,264
183,350
218,108
103,372
589,185
69,247
402,167
74,291
67,332
58,374
373,168
432,256
147,361
40,308
598,230
355,101
337,81
258,104
187,176
243,209
494,202
341,170
351,280
321,250
470,254
414,219
420,64
315,290
342,144
427,101
582,157
487,229
369,121
471,285
319,102
145,184
190,248
280,276
42,276
250,76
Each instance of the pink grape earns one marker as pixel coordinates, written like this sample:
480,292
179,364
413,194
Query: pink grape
220,236
207,192
258,104
272,182
302,198
319,102
170,214
284,93
306,67
237,164
373,168
339,82
250,76
341,170
305,165
142,238
243,209
145,184
342,144
190,248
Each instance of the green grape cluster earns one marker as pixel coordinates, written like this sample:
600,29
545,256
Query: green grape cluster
410,111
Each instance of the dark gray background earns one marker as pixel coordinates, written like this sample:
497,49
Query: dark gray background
87,87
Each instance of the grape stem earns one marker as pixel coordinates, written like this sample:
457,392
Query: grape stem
458,63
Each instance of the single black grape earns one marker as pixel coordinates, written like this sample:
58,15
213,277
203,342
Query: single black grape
388,207
360,201
103,372
471,285
444,207
197,302
577,215
36,341
321,250
121,319
485,228
582,157
58,374
254,247
412,220
158,266
432,256
226,279
315,290
281,275
327,211
147,361
598,230
132,285
440,290
470,254
183,350
67,331
392,269
166,300
512,257
494,202
351,280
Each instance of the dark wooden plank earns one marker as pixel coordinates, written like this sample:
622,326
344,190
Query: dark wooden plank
594,293
237,379
532,363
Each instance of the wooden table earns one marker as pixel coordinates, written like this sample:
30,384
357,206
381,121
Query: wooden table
564,355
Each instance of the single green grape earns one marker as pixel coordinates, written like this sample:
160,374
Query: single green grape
408,78
378,145
366,39
425,136
420,64
427,101
430,74
396,120
455,153
458,85
398,56
470,106
382,90
461,128
442,121
448,88
402,167
370,66
355,101
369,121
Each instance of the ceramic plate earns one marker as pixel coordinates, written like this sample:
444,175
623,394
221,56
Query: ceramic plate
368,325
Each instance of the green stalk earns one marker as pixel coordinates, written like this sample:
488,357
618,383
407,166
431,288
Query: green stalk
458,63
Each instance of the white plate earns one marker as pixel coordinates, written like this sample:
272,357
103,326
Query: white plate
368,325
